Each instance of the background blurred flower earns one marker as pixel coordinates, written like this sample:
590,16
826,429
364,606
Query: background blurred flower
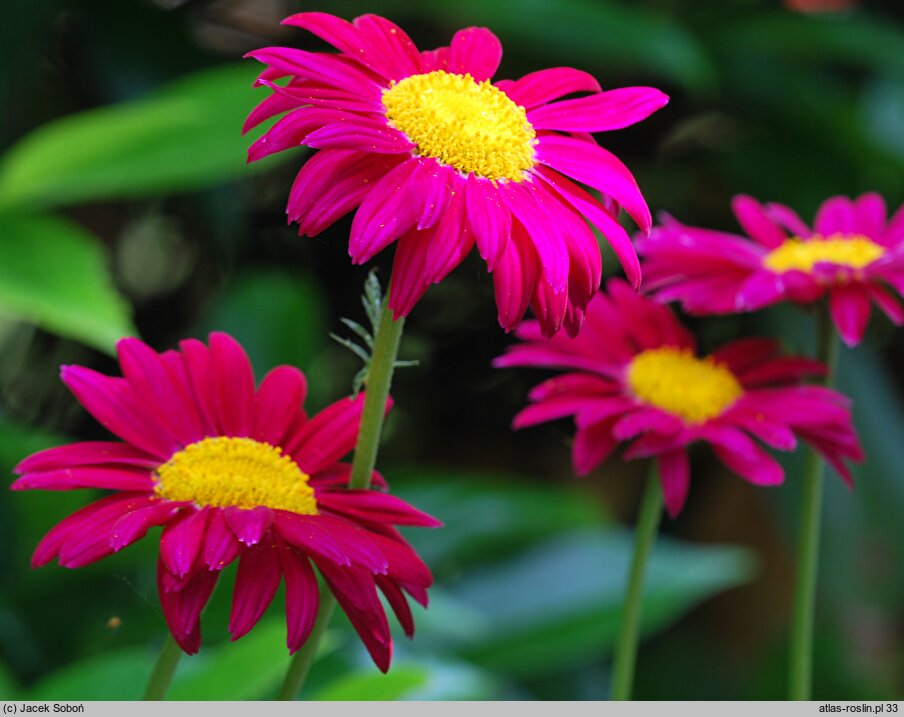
850,254
432,153
635,379
230,473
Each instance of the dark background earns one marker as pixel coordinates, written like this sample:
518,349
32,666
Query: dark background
773,100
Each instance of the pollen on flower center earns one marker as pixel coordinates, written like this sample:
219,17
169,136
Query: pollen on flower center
853,251
472,126
678,382
240,472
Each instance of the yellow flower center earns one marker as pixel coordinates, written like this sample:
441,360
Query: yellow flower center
240,472
854,251
678,382
472,126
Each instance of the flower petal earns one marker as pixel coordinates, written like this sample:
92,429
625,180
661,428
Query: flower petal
675,476
599,112
256,582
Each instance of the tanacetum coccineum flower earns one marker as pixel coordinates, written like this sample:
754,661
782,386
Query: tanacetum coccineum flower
635,378
231,472
849,254
436,155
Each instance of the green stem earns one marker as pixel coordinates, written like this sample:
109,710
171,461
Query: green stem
645,534
801,659
304,658
379,379
164,670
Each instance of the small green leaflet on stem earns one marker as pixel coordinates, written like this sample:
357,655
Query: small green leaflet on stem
372,300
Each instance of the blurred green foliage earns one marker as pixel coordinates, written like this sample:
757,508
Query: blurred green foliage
126,207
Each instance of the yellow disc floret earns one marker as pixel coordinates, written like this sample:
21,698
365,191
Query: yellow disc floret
240,472
853,251
472,126
678,382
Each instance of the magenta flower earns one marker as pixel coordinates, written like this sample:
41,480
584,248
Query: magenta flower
850,254
634,378
435,155
231,472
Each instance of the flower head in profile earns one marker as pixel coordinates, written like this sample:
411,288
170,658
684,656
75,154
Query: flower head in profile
850,254
634,378
231,472
437,157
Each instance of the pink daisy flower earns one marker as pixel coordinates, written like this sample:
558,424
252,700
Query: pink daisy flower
231,472
850,254
634,378
434,154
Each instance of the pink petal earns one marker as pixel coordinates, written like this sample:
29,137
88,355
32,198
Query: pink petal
489,218
850,309
156,390
233,384
80,521
86,453
335,194
87,477
182,608
385,214
477,51
329,435
356,593
744,457
542,86
181,541
319,66
221,546
789,219
889,304
593,444
302,597
332,538
409,281
256,582
643,420
399,604
589,207
514,278
89,541
249,525
376,507
451,241
197,364
278,402
386,40
755,220
361,135
135,525
592,165
529,207
870,213
434,184
112,403
835,216
675,476
599,112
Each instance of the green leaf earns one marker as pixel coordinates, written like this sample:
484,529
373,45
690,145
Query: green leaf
54,274
9,690
248,669
425,680
119,675
488,516
372,685
295,309
560,603
184,137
